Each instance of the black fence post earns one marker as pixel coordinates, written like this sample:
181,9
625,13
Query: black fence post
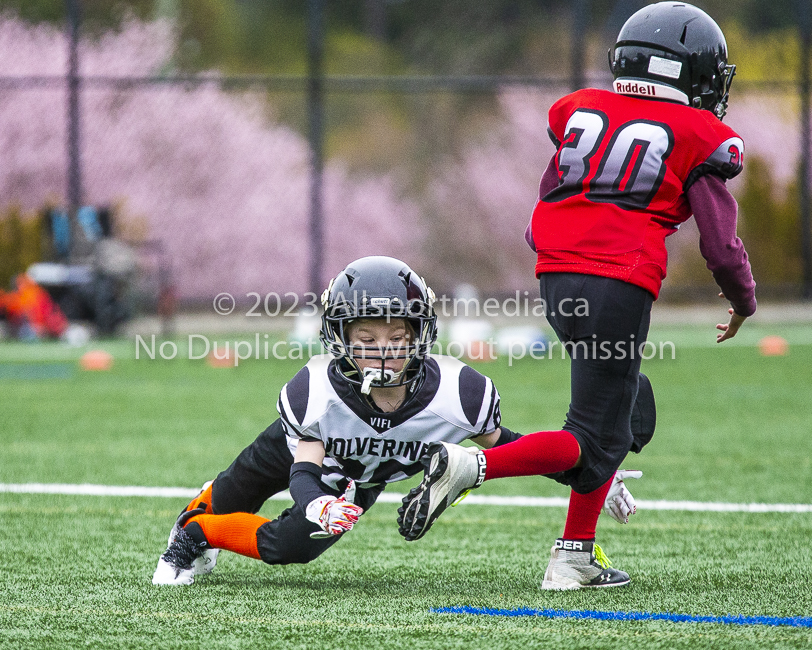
580,21
805,28
74,179
315,116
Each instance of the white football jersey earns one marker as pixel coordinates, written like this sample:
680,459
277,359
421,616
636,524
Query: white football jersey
453,403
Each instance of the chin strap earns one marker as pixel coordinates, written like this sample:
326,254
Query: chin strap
375,374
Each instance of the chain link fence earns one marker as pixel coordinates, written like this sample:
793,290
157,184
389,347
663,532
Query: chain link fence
209,177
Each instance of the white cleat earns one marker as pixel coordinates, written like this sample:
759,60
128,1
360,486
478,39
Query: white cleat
576,564
451,471
176,565
168,574
205,563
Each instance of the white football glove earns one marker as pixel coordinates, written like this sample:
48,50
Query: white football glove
335,515
619,502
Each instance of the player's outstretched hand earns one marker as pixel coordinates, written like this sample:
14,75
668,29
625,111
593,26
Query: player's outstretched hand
335,515
730,328
619,502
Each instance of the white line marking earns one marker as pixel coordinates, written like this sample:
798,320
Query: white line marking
89,489
98,490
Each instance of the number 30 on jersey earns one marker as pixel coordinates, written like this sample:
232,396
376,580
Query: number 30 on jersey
630,169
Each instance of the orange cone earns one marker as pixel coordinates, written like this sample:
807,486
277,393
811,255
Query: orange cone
773,346
96,360
224,359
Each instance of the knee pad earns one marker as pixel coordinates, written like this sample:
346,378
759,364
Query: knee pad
644,415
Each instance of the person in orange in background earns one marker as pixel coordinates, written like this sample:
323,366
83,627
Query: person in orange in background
30,312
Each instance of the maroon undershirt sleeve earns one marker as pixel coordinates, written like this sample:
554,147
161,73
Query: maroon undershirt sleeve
549,181
715,212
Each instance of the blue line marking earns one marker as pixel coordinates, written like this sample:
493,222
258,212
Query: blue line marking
35,371
791,621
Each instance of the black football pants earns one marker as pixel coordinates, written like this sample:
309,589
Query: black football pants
261,470
602,322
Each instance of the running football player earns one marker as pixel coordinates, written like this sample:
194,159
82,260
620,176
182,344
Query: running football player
349,424
630,166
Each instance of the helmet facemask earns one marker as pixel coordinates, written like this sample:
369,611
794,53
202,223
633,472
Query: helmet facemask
726,74
368,363
413,308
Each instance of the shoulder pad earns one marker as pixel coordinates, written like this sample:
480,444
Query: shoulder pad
306,389
726,162
553,137
557,117
472,393
468,397
297,391
728,158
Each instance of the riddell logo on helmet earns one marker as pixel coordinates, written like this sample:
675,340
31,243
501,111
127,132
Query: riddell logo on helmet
634,88
569,545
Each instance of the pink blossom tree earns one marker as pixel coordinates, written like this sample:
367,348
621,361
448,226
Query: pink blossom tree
486,194
218,182
225,186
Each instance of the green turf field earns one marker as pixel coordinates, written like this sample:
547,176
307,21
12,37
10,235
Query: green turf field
75,570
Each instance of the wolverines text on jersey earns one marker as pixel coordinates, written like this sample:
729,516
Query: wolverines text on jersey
453,403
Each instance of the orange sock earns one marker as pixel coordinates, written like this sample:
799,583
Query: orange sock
236,532
202,500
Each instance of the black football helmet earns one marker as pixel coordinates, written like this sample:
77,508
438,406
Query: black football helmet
678,53
381,288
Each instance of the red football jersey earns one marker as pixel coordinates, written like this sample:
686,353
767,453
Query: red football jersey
624,166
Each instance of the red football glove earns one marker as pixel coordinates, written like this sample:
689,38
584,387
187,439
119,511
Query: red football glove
335,515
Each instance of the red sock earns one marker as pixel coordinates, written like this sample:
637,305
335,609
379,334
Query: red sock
545,452
583,513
